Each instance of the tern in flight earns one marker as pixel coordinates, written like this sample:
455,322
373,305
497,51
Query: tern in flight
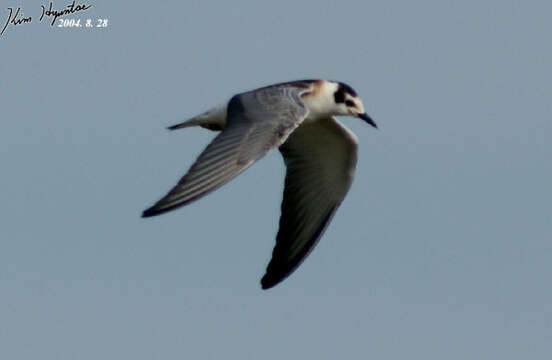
319,152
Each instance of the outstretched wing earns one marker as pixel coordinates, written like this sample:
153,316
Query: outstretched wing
320,158
257,121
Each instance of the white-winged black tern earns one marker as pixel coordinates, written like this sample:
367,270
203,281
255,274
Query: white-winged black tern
319,152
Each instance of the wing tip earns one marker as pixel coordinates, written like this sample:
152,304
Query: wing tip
272,278
157,210
268,282
149,212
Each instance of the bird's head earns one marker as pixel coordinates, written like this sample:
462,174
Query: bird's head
347,102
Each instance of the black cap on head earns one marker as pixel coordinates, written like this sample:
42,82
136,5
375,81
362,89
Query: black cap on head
343,89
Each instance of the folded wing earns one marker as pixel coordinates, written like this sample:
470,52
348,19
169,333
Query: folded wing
320,158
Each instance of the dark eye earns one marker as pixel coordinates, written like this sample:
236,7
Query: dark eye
349,103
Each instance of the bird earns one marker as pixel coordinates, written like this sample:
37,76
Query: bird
320,155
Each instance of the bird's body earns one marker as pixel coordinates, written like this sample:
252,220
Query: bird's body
319,152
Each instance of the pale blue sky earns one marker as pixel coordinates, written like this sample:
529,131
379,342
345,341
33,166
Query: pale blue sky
442,249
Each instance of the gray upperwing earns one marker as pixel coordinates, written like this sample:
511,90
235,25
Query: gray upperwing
257,121
320,158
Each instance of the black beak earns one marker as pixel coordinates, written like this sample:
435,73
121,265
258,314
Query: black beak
368,119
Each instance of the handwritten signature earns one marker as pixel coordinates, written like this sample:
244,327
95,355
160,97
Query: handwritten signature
14,20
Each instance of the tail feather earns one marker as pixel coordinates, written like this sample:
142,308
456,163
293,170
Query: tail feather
213,119
188,123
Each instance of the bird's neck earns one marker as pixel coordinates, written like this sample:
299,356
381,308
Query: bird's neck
320,101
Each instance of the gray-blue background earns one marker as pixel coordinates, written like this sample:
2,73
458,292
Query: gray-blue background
442,250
